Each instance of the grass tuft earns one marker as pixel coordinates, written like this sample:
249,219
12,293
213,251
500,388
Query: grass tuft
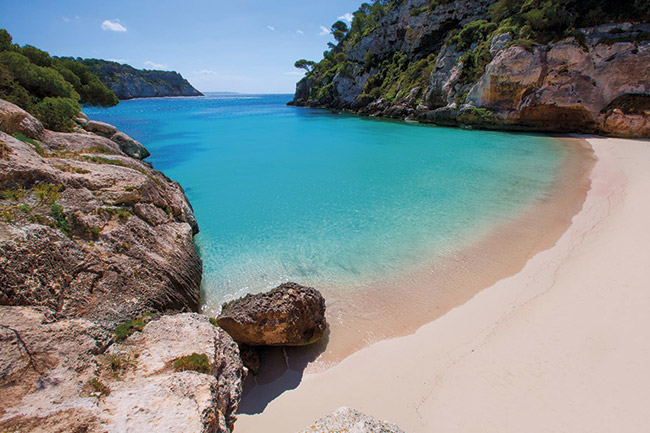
194,362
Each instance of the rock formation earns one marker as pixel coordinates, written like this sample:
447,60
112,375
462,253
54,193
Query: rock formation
64,375
447,63
289,315
94,246
349,420
87,231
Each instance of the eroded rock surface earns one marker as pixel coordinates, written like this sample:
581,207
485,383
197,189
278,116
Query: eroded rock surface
571,85
47,368
289,315
90,232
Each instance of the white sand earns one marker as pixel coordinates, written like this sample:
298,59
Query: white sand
562,346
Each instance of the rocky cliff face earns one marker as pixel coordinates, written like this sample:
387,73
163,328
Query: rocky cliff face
96,255
449,65
128,82
87,231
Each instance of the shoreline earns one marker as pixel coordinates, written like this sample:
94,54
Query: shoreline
543,341
422,294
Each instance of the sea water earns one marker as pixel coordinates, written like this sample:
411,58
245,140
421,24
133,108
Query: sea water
328,199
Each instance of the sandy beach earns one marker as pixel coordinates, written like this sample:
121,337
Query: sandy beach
561,345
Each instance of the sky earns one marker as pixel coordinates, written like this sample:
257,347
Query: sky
246,46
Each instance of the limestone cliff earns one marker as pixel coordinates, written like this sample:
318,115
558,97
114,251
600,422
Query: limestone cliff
88,231
128,82
96,256
460,63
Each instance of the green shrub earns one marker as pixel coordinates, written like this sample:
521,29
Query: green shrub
417,11
97,386
60,220
194,362
125,329
30,78
47,193
57,113
14,194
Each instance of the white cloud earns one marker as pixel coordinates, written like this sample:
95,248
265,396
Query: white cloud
66,19
118,60
347,17
113,26
207,75
300,32
324,31
271,28
154,65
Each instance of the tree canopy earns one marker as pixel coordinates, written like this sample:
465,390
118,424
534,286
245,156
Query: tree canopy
307,65
48,87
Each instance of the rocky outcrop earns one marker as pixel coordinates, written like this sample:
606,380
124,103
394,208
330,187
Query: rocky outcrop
289,315
130,146
95,247
349,420
90,232
14,119
126,144
485,75
565,86
128,82
58,375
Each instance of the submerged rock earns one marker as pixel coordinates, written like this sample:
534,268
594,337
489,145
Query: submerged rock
289,315
349,420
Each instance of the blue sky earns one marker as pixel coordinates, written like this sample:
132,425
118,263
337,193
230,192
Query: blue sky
244,46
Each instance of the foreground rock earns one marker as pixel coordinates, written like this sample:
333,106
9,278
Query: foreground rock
58,376
289,315
89,232
14,119
349,420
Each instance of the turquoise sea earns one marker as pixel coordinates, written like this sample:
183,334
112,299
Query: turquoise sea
330,200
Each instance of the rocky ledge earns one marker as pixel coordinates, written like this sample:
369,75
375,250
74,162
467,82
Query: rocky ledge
179,373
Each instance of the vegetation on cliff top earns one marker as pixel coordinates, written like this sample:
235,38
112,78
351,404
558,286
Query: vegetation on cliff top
395,75
49,88
128,82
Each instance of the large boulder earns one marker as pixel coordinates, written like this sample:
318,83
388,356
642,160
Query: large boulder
100,128
349,420
130,146
289,315
14,119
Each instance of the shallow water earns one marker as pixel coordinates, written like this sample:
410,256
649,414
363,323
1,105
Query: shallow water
335,201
